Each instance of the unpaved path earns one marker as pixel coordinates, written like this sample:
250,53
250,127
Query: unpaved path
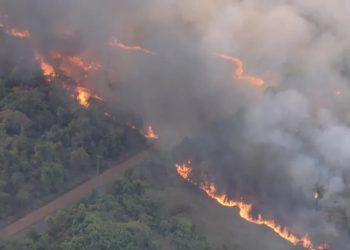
75,194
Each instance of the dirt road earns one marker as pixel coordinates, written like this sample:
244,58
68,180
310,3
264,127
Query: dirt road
75,194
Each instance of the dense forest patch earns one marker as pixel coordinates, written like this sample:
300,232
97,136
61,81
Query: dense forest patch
131,214
48,142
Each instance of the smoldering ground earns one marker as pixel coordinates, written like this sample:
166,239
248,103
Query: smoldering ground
272,144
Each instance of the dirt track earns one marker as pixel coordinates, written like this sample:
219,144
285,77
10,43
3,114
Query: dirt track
75,194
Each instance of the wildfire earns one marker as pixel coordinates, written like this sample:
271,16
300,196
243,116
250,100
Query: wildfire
77,61
84,95
47,69
150,134
184,171
18,33
239,71
87,66
65,64
116,43
14,32
245,210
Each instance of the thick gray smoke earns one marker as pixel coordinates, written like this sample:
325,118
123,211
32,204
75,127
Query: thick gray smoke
275,143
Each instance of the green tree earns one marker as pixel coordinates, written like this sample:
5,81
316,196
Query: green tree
51,176
46,152
80,158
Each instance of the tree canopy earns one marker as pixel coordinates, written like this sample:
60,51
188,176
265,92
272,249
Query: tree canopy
129,215
48,141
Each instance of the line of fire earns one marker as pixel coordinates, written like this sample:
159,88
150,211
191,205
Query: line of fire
75,68
55,64
185,171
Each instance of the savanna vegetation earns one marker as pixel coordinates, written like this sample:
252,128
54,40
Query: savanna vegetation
48,142
132,214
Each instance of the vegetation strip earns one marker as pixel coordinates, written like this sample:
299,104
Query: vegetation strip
75,194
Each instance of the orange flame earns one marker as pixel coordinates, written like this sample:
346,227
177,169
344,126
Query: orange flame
83,64
68,64
15,33
239,71
18,33
150,134
47,69
245,210
77,61
184,171
116,43
84,95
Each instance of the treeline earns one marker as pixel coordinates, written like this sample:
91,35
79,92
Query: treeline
131,215
48,141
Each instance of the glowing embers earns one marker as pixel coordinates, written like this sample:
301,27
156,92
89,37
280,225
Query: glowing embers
83,96
239,71
245,209
116,43
149,133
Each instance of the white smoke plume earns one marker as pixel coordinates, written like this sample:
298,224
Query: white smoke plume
287,137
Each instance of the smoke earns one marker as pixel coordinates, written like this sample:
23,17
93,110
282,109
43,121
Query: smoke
274,144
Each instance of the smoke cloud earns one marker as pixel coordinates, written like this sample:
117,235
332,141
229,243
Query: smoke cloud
273,144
